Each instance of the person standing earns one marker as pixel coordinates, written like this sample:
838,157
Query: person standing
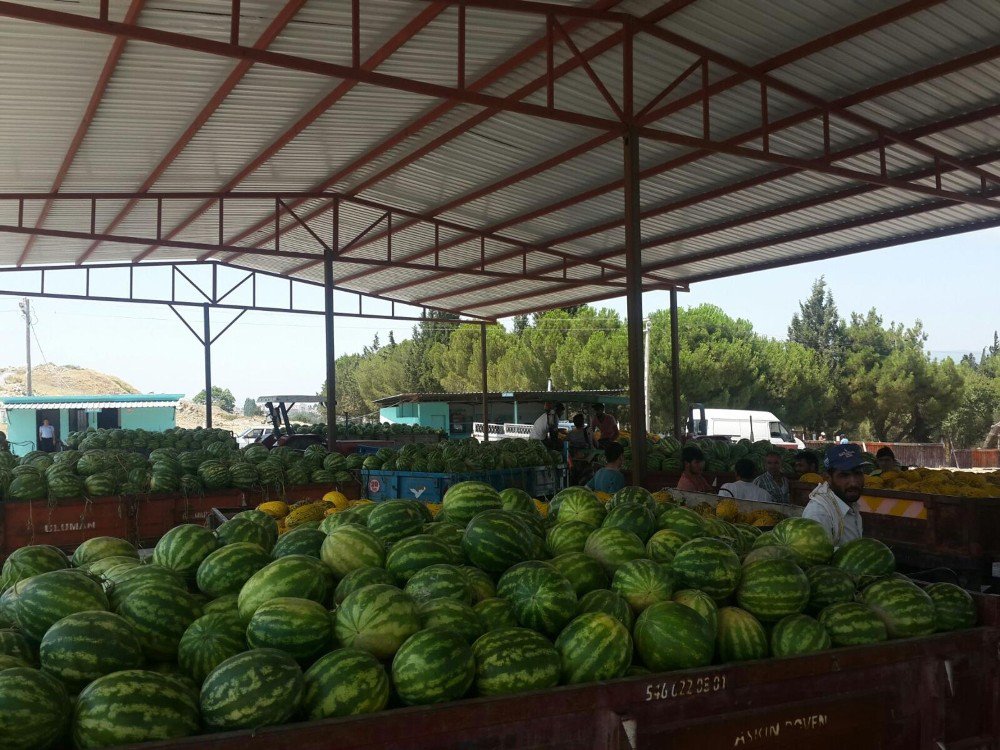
46,437
886,460
609,478
772,480
546,427
693,477
834,504
744,488
607,425
806,463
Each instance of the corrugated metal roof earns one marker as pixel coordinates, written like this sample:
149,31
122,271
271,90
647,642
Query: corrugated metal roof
704,214
611,396
91,405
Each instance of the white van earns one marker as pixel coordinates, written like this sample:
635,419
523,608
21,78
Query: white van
737,424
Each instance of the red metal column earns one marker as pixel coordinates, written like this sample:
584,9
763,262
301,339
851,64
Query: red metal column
486,396
331,363
675,366
207,338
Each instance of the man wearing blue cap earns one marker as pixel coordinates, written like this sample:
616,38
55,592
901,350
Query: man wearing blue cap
834,503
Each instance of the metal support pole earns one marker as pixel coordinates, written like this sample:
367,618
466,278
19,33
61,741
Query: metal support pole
675,366
207,339
645,370
633,297
331,364
482,361
26,310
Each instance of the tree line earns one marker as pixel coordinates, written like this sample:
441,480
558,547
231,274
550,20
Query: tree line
861,375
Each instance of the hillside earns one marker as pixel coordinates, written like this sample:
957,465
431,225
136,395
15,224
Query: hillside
61,380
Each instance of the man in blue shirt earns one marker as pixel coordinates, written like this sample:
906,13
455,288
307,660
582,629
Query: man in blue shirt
609,478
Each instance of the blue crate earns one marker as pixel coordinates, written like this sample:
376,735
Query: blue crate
430,488
545,481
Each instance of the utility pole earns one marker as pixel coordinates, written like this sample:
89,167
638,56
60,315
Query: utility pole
26,311
645,331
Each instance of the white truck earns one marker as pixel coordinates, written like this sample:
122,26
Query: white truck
737,424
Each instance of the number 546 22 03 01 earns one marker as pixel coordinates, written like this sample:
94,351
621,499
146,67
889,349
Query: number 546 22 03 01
659,691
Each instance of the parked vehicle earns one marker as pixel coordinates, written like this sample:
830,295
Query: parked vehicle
737,424
253,435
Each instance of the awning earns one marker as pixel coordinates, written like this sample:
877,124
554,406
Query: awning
89,405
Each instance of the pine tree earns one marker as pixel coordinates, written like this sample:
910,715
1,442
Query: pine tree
818,325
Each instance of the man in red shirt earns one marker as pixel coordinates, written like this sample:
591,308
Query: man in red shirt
693,477
607,424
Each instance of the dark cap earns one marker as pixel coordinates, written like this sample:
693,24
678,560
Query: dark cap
846,457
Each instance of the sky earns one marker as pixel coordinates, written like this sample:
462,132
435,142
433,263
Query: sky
949,284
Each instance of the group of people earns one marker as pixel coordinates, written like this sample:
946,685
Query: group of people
600,433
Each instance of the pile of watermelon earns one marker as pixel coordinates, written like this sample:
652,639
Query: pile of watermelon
369,431
178,438
386,604
462,456
218,464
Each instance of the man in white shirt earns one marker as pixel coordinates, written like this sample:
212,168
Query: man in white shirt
46,437
744,488
834,504
546,427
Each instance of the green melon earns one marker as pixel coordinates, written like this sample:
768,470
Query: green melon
701,603
614,547
183,548
513,498
160,613
377,619
464,500
904,607
345,682
570,536
31,561
663,545
437,581
543,598
514,660
609,602
682,520
209,641
866,559
708,564
300,541
593,646
740,636
577,504
643,582
433,666
770,552
852,624
583,571
45,599
253,689
393,520
828,585
632,495
123,580
773,589
359,578
495,614
799,634
245,530
481,585
227,603
102,566
633,517
807,539
670,636
494,540
225,570
954,608
86,645
13,643
415,553
454,616
349,547
297,576
100,547
34,709
299,627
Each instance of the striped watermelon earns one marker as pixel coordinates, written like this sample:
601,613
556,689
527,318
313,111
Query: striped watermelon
245,530
265,521
771,552
10,662
299,627
514,660
257,688
773,589
866,559
663,545
394,520
349,547
124,580
464,500
766,539
708,564
852,624
439,581
612,548
568,536
578,504
682,520
345,682
669,636
454,616
13,643
209,641
543,598
160,614
513,498
593,646
228,568
828,585
433,666
904,607
100,547
359,578
954,609
45,599
495,614
481,586
494,540
633,517
584,572
134,706
102,566
377,619
298,576
632,495
701,603
643,582
799,634
31,561
227,603
184,547
407,556
447,532
740,636
807,539
34,709
86,645
608,602
300,541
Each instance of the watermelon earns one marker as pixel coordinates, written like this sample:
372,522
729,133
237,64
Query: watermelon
464,500
608,602
299,627
568,536
708,564
480,584
612,548
663,545
514,660
807,539
263,520
45,599
359,578
446,532
770,552
377,619
454,616
852,624
183,548
227,603
954,608
348,547
433,666
415,553
578,504
513,498
436,581
584,572
13,643
31,561
593,646
740,636
643,582
102,566
632,496
254,689
394,520
10,662
866,559
494,540
297,576
543,598
228,568
34,709
100,547
798,634
133,706
28,486
904,607
632,517
345,682
828,585
86,645
245,530
701,603
126,579
299,541
209,641
669,636
682,520
773,589
495,614
160,613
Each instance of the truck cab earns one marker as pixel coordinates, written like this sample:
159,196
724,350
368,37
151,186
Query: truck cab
739,424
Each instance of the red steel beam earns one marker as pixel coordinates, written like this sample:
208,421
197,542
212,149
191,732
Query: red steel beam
114,55
277,25
545,9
